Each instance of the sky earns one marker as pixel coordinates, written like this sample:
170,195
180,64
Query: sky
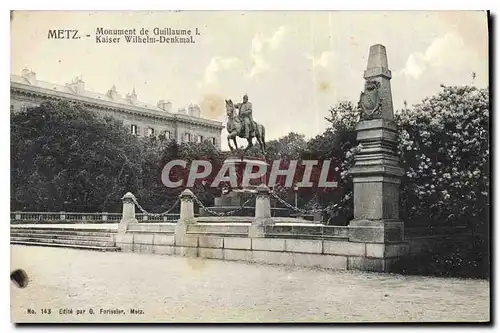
294,65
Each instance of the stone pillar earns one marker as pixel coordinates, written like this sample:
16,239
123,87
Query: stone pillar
187,205
376,173
62,216
128,212
104,216
262,213
186,216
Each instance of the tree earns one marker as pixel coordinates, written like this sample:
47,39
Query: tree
337,144
156,152
64,157
444,148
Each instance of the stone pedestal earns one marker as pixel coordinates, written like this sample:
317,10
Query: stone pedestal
250,172
230,199
262,213
376,173
128,213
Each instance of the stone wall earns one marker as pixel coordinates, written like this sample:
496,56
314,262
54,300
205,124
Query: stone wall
263,239
222,242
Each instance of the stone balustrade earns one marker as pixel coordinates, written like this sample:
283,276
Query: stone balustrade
63,217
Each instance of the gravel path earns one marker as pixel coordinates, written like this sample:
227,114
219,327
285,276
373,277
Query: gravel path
177,289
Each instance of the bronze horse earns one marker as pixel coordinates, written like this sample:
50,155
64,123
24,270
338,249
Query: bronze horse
235,129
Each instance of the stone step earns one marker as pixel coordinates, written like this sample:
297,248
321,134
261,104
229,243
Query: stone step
82,232
62,236
73,246
63,241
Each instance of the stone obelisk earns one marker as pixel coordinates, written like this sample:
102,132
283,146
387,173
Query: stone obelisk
376,173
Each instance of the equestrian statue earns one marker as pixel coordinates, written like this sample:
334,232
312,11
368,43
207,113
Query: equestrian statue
243,125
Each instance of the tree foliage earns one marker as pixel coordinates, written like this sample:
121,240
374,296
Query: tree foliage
67,158
64,157
444,148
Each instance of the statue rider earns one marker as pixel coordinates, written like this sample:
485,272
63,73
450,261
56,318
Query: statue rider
245,114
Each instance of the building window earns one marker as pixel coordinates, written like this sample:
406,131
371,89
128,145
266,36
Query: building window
199,139
151,131
187,137
11,107
133,129
213,141
24,107
166,134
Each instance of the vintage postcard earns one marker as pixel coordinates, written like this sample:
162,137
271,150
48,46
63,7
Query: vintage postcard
249,166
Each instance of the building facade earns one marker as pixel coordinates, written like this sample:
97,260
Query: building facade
142,119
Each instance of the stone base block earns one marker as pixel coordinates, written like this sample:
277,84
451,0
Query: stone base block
366,264
166,228
378,231
186,251
237,243
143,248
163,249
126,223
268,244
274,258
187,241
371,264
125,247
124,238
377,250
343,248
211,242
164,239
257,228
319,260
143,238
210,253
256,231
238,255
144,227
304,246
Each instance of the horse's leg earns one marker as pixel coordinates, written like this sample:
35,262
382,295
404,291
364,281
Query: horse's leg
262,140
229,142
235,143
260,143
250,143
